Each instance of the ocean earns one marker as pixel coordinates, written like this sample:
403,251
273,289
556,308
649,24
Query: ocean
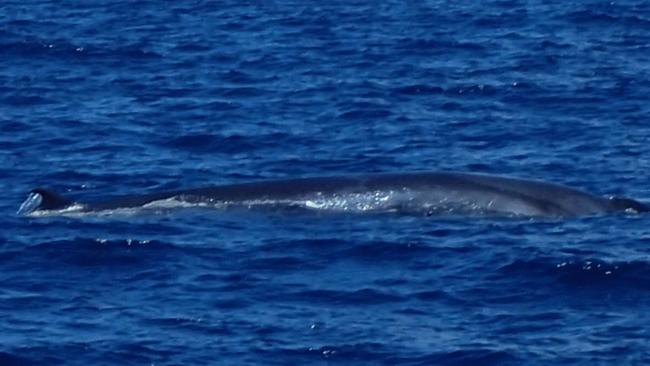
106,98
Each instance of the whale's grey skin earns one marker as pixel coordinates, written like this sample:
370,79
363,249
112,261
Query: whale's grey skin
429,192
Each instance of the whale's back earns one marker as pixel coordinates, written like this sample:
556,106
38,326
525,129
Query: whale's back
429,192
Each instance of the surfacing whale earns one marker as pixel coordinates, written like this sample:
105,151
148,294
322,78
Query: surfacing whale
418,192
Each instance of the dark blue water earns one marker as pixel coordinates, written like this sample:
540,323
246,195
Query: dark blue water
105,98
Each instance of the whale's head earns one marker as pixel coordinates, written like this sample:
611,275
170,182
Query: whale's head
42,199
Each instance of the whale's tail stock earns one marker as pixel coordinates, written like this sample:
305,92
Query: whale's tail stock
43,199
627,204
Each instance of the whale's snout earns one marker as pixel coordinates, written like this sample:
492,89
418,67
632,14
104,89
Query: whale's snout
31,204
42,199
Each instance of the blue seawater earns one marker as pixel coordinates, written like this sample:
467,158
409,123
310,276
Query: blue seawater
102,98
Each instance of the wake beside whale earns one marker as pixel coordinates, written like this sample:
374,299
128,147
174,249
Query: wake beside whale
419,192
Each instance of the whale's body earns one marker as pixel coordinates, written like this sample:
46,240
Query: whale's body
426,192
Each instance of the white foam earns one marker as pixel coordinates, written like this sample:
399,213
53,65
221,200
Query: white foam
70,210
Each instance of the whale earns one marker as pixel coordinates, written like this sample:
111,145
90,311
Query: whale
429,193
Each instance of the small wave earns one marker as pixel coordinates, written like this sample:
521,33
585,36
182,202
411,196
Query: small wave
9,359
84,252
379,251
230,144
242,92
605,16
385,354
193,325
26,100
279,264
426,45
365,296
419,89
64,49
582,273
365,114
